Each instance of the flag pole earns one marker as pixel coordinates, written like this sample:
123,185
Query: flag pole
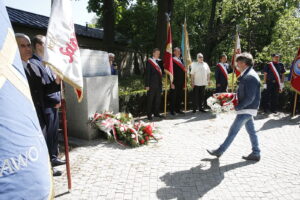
295,104
185,91
166,94
65,131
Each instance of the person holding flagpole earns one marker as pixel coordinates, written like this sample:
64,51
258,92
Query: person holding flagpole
273,82
221,74
178,84
153,83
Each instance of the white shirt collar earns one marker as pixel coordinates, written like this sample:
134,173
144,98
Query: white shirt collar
242,73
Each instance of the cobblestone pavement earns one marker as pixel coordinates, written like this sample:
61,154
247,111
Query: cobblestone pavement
178,167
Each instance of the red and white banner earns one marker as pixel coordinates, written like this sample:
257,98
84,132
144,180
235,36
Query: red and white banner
179,63
275,72
223,70
237,51
168,60
61,46
295,73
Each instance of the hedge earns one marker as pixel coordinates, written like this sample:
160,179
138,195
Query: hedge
135,103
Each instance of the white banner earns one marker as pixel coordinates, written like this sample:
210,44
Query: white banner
61,47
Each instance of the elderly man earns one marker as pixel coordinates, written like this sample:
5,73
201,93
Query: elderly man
200,74
248,102
52,101
113,66
39,87
178,84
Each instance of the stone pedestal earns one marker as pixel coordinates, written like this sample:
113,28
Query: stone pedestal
99,94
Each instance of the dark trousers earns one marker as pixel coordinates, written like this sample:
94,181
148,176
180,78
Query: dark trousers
222,88
153,101
176,97
198,97
52,124
271,96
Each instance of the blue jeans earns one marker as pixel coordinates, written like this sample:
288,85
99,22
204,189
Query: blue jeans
241,120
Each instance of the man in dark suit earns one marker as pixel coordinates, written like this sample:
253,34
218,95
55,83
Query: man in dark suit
221,74
52,101
39,87
273,82
178,84
153,84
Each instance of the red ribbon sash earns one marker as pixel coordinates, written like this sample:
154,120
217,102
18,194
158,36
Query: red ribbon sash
223,70
178,63
156,66
275,72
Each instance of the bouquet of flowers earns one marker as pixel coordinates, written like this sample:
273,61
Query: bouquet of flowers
222,102
122,129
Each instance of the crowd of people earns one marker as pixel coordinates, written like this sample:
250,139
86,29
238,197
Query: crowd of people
45,89
248,91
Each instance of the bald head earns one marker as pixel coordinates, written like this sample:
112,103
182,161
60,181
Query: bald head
24,45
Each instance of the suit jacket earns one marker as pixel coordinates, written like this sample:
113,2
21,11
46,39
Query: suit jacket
39,88
51,99
248,90
179,76
220,78
153,79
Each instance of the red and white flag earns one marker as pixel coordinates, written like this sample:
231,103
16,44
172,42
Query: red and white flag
61,46
237,51
168,59
295,73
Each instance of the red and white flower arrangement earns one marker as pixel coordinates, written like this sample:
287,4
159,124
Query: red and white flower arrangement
122,129
222,102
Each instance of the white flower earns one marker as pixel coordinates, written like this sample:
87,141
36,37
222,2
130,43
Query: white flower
216,108
122,129
130,115
118,116
211,101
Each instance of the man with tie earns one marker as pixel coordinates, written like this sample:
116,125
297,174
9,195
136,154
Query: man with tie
178,84
153,84
52,101
39,87
221,74
273,82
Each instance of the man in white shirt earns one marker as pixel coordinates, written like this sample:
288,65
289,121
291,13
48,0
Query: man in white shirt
200,77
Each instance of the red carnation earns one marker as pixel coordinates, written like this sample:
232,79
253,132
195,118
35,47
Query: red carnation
147,138
142,141
148,130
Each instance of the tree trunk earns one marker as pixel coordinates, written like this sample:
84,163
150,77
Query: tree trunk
108,23
164,6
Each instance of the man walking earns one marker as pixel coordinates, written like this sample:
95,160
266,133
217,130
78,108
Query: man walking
153,84
248,102
200,78
273,82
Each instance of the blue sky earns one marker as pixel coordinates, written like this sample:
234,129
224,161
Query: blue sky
42,7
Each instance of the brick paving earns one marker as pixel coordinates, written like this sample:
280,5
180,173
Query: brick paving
178,167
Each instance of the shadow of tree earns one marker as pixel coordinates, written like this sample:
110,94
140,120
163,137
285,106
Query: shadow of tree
196,117
195,183
278,123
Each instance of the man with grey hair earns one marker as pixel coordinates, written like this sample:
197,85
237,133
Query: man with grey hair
113,66
200,78
248,95
39,87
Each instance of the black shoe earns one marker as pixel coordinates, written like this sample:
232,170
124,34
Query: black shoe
173,113
273,111
202,110
194,111
57,162
214,153
149,118
180,112
252,157
56,172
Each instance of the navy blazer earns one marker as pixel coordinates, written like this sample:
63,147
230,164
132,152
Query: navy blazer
51,99
219,76
179,76
248,90
153,79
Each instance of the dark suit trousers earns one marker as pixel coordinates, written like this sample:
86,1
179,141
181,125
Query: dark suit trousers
222,88
52,123
153,101
272,95
198,97
176,97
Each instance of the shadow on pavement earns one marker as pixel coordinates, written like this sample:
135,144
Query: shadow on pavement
195,183
278,123
196,117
